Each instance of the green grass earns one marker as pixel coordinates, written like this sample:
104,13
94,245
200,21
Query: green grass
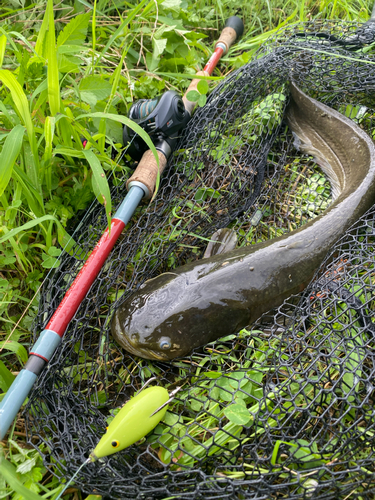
63,70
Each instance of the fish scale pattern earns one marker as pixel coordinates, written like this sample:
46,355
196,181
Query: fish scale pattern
283,409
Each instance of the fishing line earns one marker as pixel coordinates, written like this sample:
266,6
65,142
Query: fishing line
72,478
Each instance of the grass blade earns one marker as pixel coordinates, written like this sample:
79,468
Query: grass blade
123,25
6,377
125,121
100,183
8,471
40,46
29,225
9,154
53,72
16,347
21,103
3,42
33,196
49,130
19,99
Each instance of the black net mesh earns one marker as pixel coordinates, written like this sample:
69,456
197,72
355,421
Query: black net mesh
304,373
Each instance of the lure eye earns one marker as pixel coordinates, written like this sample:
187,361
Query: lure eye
115,444
164,343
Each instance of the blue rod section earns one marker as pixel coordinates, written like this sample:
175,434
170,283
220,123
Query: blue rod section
129,204
46,344
14,399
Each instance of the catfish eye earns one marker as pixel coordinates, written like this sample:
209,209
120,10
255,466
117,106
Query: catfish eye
165,343
115,444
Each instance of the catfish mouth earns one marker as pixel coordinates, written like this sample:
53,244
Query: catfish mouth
143,352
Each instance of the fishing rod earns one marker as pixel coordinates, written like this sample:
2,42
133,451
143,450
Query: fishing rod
163,118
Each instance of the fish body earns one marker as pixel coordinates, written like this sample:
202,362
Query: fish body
217,296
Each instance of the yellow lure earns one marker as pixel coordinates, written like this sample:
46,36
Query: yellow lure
133,422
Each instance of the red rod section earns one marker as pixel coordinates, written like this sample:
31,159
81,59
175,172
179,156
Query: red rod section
213,60
85,278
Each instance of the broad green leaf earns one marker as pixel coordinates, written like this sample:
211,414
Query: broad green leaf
30,169
94,88
66,130
3,42
9,154
69,49
50,262
193,96
8,471
53,72
6,377
100,183
74,153
27,465
16,347
213,374
159,47
237,414
75,31
54,251
202,100
202,86
67,64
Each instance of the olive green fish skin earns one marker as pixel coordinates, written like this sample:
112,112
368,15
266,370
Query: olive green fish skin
205,300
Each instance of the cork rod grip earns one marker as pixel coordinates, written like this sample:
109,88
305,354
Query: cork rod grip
147,171
233,29
228,37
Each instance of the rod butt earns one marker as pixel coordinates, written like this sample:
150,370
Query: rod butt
235,23
14,398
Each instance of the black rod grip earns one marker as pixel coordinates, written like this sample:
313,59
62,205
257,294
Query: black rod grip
235,23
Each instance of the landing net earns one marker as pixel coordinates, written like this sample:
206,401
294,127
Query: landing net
303,374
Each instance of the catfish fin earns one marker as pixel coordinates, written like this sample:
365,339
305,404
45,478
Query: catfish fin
222,241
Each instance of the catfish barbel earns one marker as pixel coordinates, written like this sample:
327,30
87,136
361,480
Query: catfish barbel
217,296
